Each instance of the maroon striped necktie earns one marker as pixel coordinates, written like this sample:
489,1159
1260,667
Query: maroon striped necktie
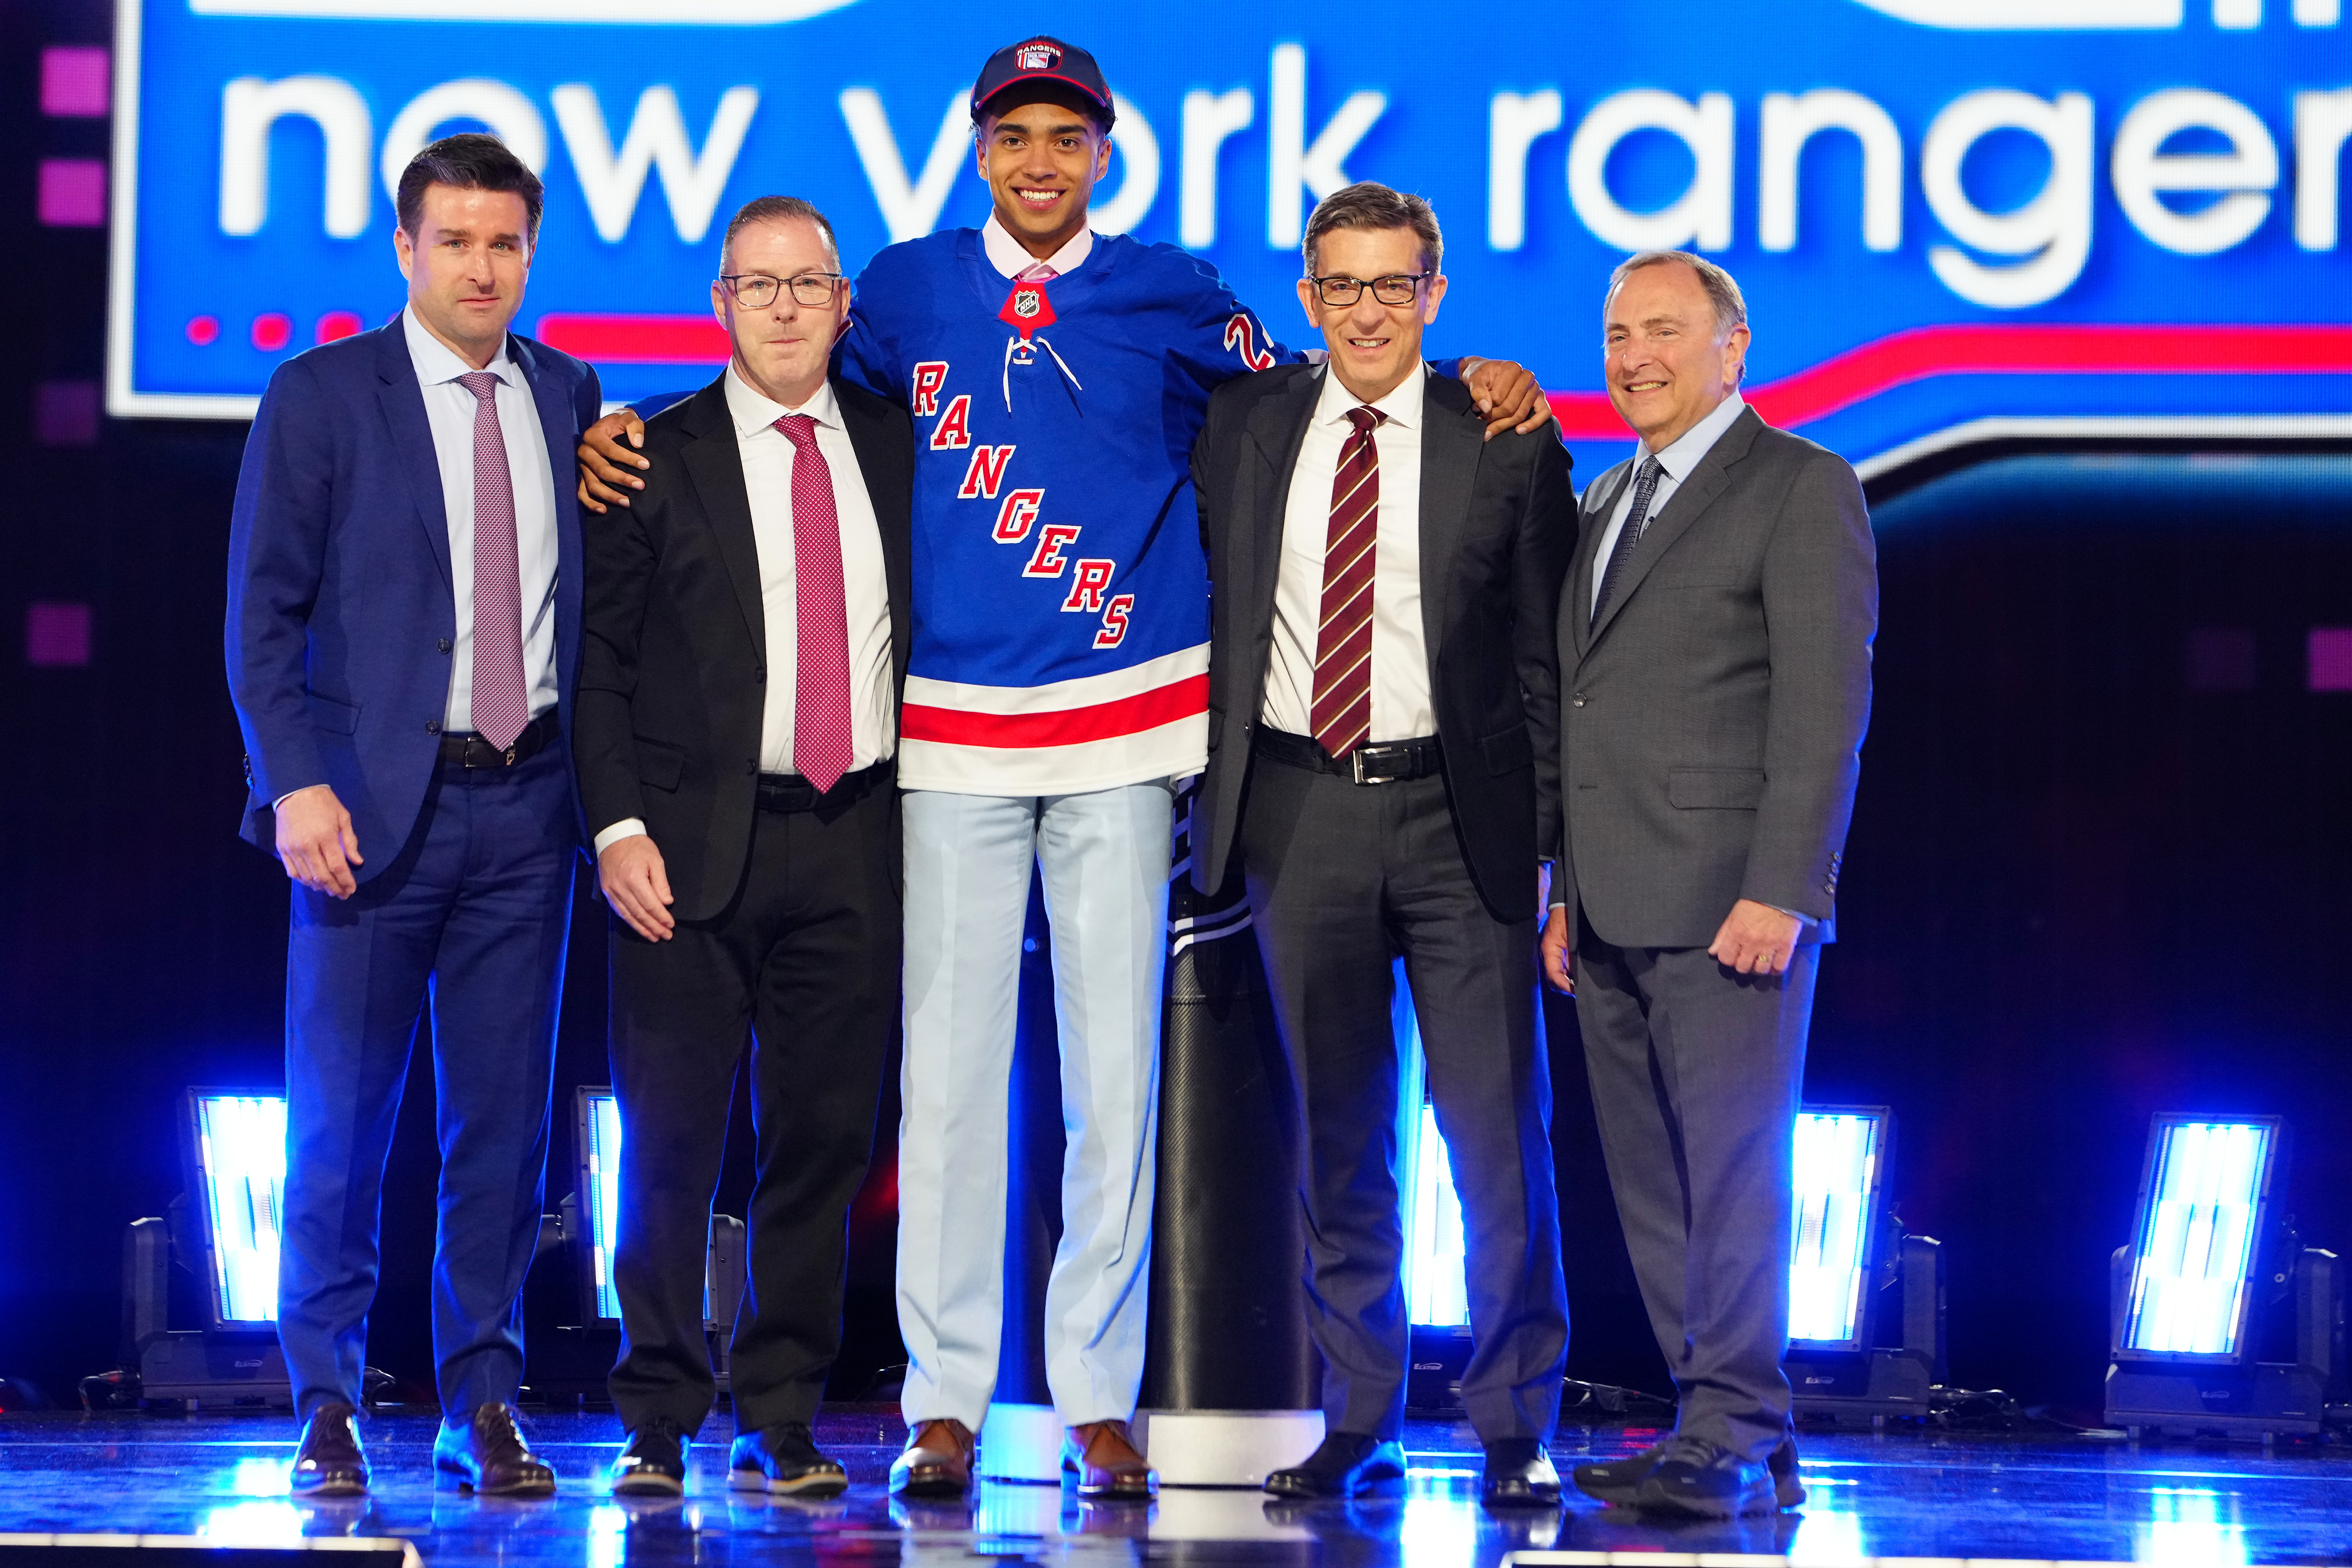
1342,713
501,701
820,733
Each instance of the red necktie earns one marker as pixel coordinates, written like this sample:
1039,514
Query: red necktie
1342,714
821,741
502,702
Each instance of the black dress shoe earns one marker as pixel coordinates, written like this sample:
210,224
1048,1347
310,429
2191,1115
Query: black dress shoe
486,1454
329,1461
1345,1463
1698,1479
1519,1473
783,1458
653,1461
1616,1480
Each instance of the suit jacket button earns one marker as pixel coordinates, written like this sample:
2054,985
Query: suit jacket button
1576,701
433,726
759,676
444,644
753,768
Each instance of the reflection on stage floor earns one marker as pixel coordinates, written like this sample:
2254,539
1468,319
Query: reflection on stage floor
222,1478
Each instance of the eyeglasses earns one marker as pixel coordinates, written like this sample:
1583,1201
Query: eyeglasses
755,290
1396,289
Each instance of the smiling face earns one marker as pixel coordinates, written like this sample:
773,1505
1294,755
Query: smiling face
780,348
466,267
1668,363
1373,346
1041,161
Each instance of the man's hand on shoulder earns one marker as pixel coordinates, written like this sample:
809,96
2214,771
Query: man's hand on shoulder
1756,939
1506,394
315,841
631,873
605,462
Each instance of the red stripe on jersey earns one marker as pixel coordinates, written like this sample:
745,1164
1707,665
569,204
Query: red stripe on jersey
1068,727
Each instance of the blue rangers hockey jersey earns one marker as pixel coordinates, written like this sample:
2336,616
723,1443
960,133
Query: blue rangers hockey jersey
1061,627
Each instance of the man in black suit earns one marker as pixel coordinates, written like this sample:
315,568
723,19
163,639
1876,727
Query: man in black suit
1715,639
746,645
1383,697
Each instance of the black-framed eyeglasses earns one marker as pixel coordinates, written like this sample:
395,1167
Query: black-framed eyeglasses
754,289
1396,289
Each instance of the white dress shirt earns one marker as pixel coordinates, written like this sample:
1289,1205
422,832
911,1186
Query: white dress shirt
768,457
1006,253
449,411
1402,706
1675,466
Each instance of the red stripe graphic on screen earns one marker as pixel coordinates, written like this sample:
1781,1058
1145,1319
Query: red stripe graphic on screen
2019,348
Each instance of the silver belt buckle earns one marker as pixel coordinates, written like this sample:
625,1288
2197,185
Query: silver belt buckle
1382,755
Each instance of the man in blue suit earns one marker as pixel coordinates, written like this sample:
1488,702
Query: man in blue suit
403,641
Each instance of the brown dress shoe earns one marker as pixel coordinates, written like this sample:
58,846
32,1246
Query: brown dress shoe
1108,1468
936,1462
329,1461
487,1455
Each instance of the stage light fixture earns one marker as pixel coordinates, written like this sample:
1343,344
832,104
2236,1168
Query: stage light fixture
1840,1170
599,1126
2202,1199
237,1162
2208,1283
1845,1246
1436,1293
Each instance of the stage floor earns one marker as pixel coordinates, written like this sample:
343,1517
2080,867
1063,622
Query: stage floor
1901,1495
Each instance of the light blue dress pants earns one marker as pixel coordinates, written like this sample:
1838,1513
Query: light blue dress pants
1105,856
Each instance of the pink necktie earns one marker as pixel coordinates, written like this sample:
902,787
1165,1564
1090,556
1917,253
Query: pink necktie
501,704
821,684
1036,272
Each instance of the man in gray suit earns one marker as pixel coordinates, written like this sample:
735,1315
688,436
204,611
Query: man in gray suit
1382,694
1715,657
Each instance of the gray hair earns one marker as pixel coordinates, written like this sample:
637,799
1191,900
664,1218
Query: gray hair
1368,204
775,209
1722,288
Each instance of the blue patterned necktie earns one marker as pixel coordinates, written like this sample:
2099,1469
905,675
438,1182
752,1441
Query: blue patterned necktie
1637,518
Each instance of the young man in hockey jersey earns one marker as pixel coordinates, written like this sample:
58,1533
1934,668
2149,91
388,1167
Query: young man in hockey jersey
1058,684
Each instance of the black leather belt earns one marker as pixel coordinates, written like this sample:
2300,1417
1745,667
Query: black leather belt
1391,762
789,791
473,751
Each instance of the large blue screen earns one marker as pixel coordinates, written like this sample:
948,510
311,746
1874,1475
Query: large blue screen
1955,219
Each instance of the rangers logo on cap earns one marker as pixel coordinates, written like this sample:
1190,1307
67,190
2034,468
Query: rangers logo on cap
1038,57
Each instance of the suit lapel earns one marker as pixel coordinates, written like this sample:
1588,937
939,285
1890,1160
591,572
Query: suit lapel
1279,427
555,427
1452,439
715,464
1594,522
888,487
402,400
1691,499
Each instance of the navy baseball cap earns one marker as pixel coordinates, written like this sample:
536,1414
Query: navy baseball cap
1043,59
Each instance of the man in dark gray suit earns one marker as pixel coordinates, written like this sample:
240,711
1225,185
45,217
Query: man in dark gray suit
1384,693
1714,654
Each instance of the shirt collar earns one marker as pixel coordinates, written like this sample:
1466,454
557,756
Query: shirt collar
1402,404
1005,254
754,411
1695,443
436,362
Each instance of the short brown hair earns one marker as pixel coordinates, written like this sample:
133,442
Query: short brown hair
1722,288
1368,204
470,161
776,209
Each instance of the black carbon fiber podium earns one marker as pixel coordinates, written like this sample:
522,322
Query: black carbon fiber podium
1230,1381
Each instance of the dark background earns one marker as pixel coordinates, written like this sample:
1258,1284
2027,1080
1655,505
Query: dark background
2097,870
